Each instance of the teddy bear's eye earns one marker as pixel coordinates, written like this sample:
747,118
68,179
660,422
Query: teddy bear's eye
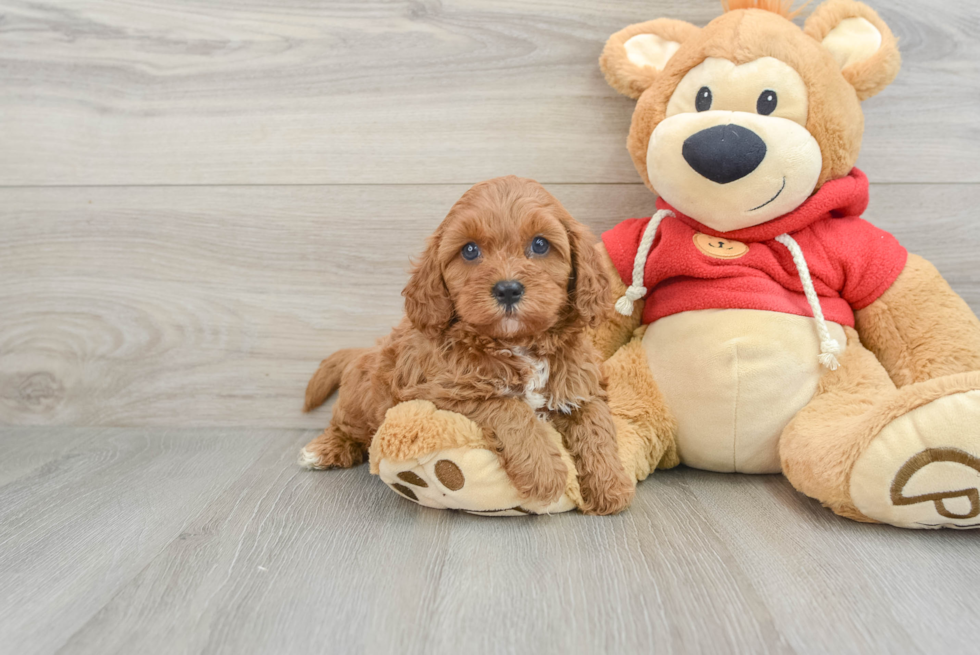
703,100
766,104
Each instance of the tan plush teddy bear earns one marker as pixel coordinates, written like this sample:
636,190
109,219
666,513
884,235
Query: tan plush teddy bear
764,325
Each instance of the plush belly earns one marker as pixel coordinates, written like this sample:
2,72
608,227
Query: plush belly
734,378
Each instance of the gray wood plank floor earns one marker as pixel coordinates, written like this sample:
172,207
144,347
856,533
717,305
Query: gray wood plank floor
213,541
200,200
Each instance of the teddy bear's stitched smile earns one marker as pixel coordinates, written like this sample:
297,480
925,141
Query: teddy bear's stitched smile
773,198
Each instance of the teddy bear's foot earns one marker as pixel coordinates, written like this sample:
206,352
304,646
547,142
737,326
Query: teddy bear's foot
440,459
922,469
468,479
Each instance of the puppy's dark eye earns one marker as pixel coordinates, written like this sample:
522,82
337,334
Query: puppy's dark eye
766,104
470,251
540,246
702,102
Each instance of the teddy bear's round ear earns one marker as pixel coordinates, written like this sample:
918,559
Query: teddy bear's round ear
634,56
859,40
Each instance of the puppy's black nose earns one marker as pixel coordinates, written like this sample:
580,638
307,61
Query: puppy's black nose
508,292
724,153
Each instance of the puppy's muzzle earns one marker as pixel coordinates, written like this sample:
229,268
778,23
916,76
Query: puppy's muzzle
508,293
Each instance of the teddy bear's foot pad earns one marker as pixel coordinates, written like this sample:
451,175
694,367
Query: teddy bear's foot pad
467,479
440,459
923,468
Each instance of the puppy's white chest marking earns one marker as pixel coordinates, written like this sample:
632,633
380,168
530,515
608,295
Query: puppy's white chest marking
537,380
533,391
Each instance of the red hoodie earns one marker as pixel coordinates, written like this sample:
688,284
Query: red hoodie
691,266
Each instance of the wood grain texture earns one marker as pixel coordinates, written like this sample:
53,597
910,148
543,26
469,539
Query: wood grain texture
100,507
259,556
198,201
211,306
25,451
890,590
400,91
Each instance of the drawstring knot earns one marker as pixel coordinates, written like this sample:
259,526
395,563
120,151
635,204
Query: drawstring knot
829,350
625,303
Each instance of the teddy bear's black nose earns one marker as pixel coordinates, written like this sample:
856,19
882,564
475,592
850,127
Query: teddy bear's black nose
724,153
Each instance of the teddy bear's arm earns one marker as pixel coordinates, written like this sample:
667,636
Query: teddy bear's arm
920,328
617,329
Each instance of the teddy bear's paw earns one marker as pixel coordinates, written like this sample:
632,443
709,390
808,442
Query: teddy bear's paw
467,479
922,470
441,459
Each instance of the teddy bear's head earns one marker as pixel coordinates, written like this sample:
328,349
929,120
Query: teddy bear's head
740,121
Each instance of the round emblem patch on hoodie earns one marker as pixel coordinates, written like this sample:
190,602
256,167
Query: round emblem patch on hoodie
719,248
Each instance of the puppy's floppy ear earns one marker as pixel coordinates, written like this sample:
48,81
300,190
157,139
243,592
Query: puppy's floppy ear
635,55
859,40
427,302
589,286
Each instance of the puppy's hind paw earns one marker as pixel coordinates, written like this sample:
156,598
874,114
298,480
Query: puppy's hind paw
329,452
308,459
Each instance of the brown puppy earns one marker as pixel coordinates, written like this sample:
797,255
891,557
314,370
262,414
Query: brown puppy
497,309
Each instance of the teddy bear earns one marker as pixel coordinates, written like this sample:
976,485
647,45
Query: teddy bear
762,326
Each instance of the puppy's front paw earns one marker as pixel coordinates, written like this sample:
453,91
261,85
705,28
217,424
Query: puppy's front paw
609,496
543,481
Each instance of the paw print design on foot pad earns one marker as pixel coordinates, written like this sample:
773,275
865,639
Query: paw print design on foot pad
923,468
467,479
441,460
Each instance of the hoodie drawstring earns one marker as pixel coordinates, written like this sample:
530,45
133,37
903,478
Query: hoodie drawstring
636,290
829,348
